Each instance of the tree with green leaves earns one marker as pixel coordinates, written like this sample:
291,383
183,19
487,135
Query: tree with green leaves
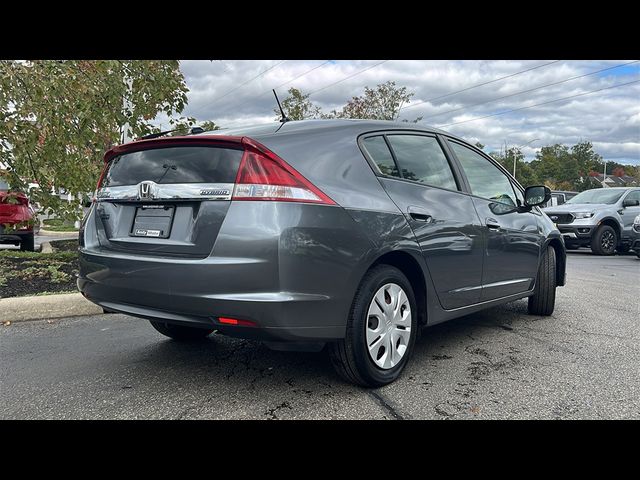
525,174
183,127
57,118
297,106
380,103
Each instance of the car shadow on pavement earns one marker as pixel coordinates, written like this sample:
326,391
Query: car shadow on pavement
248,364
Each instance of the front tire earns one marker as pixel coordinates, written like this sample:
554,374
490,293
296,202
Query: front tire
604,241
543,300
381,330
180,333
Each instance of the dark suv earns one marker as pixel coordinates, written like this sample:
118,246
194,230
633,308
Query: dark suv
341,232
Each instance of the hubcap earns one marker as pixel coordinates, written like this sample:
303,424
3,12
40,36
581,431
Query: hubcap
607,241
388,326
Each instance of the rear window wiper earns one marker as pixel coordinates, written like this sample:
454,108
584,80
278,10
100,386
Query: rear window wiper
193,131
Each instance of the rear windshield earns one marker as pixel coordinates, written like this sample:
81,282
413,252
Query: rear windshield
174,165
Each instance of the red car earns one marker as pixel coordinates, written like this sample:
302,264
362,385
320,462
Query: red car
18,222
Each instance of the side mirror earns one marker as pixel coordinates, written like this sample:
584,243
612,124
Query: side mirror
536,196
630,203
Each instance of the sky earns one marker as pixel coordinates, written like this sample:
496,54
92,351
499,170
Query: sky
446,94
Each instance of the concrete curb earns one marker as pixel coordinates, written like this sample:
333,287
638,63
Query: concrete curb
19,309
51,233
45,247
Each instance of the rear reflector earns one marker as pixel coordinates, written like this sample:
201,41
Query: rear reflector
235,321
265,176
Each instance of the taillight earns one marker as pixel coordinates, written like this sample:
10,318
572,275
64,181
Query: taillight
265,176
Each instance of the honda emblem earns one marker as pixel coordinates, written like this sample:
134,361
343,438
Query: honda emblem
144,191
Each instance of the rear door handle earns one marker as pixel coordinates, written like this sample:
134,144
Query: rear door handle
419,214
492,224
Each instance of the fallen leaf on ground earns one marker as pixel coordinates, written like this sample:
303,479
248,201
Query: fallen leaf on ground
7,323
475,410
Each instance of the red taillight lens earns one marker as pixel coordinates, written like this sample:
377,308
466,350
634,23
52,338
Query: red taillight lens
265,176
235,321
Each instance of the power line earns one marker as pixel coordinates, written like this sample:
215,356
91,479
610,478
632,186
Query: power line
301,75
538,104
245,83
479,85
528,90
348,77
282,84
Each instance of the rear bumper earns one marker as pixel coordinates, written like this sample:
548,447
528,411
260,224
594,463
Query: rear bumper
294,277
278,317
15,236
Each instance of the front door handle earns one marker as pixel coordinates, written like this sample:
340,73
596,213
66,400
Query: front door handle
492,224
419,215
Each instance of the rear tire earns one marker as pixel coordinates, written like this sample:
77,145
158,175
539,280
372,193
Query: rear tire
180,333
28,244
604,240
543,300
352,357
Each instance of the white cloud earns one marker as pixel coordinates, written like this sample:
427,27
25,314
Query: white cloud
610,119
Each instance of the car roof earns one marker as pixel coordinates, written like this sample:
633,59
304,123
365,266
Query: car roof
354,126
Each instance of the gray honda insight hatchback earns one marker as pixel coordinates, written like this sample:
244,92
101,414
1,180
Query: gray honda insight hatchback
346,233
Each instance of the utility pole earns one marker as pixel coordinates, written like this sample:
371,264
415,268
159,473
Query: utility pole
126,106
604,174
514,153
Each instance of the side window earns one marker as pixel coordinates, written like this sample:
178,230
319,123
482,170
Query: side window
486,180
635,195
421,159
379,152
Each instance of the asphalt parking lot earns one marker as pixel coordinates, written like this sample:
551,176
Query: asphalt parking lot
499,364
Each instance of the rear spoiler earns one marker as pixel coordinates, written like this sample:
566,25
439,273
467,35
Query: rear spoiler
198,140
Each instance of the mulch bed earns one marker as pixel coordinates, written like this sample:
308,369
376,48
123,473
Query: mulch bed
65,245
32,273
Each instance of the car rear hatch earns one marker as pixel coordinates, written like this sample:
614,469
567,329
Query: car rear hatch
166,196
170,196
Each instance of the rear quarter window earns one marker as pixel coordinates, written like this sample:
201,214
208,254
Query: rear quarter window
379,152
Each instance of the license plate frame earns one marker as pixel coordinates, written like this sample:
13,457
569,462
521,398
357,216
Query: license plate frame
153,221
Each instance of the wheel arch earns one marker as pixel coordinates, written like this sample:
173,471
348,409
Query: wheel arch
561,260
613,223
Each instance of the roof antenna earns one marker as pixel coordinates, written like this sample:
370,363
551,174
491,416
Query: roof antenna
284,117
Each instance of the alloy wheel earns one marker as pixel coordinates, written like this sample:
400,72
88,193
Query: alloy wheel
606,241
